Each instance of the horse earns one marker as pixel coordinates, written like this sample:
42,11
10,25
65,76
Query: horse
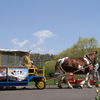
69,64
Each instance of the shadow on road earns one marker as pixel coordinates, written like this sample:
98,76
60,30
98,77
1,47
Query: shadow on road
15,89
64,87
34,88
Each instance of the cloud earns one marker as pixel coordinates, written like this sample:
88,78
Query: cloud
40,36
37,45
51,51
19,44
37,50
44,34
14,41
40,42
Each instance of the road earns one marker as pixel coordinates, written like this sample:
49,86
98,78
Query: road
49,93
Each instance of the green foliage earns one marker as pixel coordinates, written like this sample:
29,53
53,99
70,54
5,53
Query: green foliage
79,49
50,69
40,59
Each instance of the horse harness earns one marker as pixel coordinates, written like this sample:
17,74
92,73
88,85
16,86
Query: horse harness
87,56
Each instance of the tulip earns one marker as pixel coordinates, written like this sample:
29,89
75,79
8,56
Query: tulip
97,90
98,85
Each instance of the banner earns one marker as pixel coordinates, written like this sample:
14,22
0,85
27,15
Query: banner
18,74
3,74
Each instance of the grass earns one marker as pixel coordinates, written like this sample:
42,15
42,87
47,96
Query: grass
53,82
31,83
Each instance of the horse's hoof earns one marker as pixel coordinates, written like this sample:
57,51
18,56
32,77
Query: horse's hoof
89,86
71,88
81,86
60,87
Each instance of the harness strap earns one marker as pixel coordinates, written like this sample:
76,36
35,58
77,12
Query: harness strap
84,61
89,58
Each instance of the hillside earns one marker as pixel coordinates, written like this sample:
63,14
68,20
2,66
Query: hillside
40,59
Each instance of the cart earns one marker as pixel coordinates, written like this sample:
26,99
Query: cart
72,80
13,73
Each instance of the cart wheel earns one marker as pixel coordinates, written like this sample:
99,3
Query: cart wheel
41,84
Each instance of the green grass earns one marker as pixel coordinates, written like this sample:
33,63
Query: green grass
53,82
31,83
78,77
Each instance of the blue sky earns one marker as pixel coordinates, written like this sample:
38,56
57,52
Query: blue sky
47,26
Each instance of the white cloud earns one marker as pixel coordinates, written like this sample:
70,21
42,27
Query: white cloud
51,51
19,44
44,34
37,50
14,41
40,42
36,45
41,36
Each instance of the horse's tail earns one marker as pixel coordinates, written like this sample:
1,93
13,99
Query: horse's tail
56,66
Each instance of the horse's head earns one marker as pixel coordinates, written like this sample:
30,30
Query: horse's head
92,57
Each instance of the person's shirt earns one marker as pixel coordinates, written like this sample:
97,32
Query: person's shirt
95,67
27,61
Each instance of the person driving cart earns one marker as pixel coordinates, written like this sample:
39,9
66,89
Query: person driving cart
27,62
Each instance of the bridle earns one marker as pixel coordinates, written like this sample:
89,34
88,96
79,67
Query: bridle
92,62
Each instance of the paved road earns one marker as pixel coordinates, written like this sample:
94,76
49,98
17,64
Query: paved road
49,93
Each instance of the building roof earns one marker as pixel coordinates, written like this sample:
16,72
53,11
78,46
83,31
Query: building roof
12,51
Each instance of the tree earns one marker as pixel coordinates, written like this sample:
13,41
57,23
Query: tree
85,45
50,69
79,49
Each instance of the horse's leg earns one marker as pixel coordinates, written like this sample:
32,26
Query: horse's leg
68,83
83,82
88,82
59,80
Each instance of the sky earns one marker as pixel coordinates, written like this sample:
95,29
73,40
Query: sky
47,26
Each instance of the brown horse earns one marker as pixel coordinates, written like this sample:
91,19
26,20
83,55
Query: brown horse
71,65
